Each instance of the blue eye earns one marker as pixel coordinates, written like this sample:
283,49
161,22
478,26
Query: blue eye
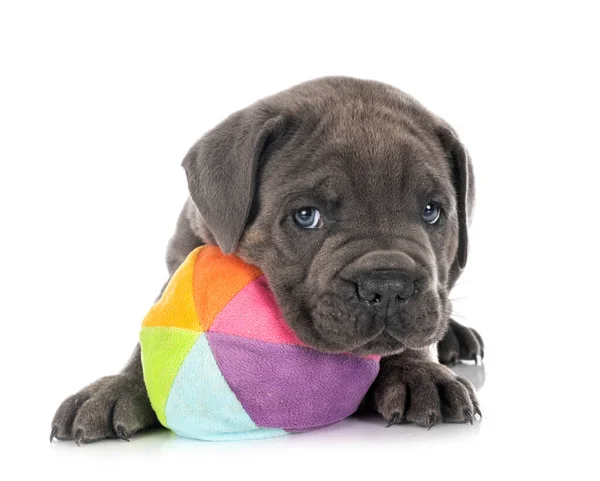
431,213
307,218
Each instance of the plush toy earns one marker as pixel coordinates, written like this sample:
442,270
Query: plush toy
220,363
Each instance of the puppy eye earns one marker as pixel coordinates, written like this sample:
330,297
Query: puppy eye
431,213
308,218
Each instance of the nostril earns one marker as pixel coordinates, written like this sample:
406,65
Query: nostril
376,300
368,295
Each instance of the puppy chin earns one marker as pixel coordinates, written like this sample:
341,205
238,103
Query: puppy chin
357,344
383,345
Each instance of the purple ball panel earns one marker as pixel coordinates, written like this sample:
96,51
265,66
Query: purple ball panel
291,387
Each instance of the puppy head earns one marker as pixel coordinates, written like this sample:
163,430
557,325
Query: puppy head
352,199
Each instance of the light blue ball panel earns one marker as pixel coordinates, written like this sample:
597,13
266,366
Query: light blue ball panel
202,406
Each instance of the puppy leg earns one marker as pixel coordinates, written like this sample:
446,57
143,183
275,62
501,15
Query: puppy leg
118,406
460,344
413,388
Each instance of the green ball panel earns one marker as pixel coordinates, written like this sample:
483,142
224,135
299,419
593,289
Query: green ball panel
163,351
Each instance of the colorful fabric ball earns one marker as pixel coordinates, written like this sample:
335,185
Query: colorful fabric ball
220,363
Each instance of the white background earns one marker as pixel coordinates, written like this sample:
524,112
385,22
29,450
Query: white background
99,101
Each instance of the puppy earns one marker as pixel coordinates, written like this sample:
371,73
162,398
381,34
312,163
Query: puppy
354,201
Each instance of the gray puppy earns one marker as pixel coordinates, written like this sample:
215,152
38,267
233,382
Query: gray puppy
354,201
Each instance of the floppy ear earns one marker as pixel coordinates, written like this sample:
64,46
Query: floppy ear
464,183
221,172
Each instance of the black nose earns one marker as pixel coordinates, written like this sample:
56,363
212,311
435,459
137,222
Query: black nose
380,287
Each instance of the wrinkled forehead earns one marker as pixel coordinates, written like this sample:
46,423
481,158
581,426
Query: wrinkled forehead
364,164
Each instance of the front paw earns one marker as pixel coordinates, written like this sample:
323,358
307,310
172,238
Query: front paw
424,393
460,344
114,406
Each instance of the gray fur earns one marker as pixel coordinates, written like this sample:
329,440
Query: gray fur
369,157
